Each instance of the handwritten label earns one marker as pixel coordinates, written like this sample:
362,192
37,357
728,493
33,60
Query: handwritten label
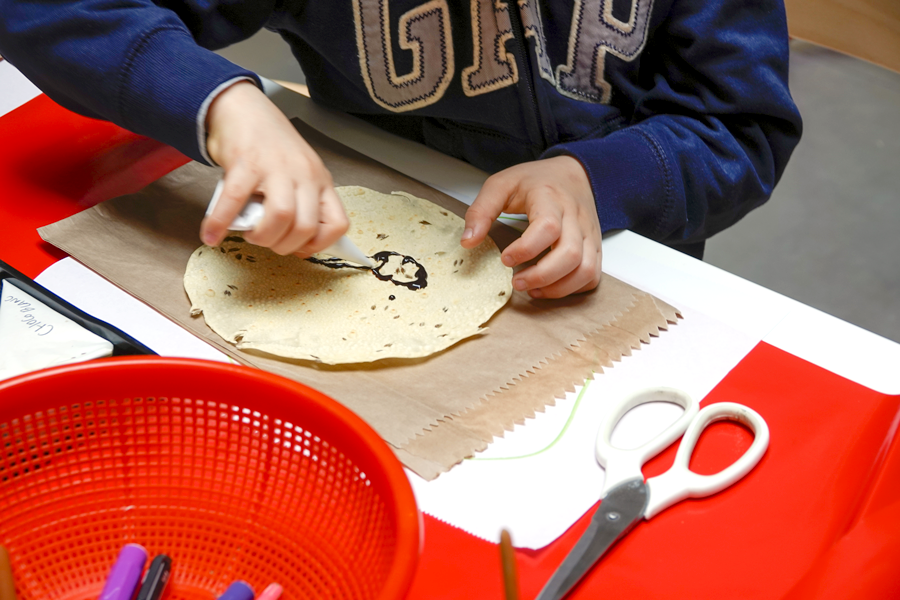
35,336
31,321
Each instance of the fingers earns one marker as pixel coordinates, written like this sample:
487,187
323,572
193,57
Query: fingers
585,277
303,221
333,223
300,221
288,221
240,182
497,193
545,228
572,265
562,216
261,151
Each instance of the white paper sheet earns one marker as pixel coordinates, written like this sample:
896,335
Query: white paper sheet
15,89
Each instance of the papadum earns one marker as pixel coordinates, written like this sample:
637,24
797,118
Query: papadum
426,293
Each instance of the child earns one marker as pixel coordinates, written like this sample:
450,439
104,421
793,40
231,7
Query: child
671,118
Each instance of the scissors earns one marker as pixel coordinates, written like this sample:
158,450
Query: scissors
627,498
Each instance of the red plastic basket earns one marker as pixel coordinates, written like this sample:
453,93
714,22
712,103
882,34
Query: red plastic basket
233,472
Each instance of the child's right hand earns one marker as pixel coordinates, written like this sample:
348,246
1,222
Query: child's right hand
556,195
262,152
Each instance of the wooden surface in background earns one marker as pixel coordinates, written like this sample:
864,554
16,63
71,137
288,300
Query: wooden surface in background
866,29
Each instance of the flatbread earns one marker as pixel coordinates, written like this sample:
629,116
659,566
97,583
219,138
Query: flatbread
300,309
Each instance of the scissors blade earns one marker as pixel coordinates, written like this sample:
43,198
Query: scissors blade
621,509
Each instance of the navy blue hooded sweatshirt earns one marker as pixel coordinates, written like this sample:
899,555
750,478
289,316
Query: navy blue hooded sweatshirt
679,110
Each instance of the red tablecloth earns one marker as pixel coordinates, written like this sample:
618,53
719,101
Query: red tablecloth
818,518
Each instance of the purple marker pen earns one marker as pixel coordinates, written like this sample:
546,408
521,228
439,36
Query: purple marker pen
239,590
125,575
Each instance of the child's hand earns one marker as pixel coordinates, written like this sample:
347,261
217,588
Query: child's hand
556,195
261,151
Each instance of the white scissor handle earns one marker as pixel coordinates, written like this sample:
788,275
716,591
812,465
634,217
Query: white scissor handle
679,482
621,465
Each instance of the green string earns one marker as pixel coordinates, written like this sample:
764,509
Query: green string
587,383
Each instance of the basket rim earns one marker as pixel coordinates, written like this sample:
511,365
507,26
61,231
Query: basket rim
407,515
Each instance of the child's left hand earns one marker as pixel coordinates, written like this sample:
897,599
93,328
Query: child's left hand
556,195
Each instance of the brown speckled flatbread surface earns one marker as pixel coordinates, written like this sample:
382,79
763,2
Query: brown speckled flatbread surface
294,308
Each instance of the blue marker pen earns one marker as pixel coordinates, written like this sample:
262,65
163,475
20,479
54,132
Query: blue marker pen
239,590
125,575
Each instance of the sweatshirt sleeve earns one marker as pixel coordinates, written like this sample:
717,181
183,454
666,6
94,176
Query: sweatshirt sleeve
135,63
710,135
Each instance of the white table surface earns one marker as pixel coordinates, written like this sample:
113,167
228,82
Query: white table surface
725,316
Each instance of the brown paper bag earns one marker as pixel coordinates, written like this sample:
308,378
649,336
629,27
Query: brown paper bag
434,411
